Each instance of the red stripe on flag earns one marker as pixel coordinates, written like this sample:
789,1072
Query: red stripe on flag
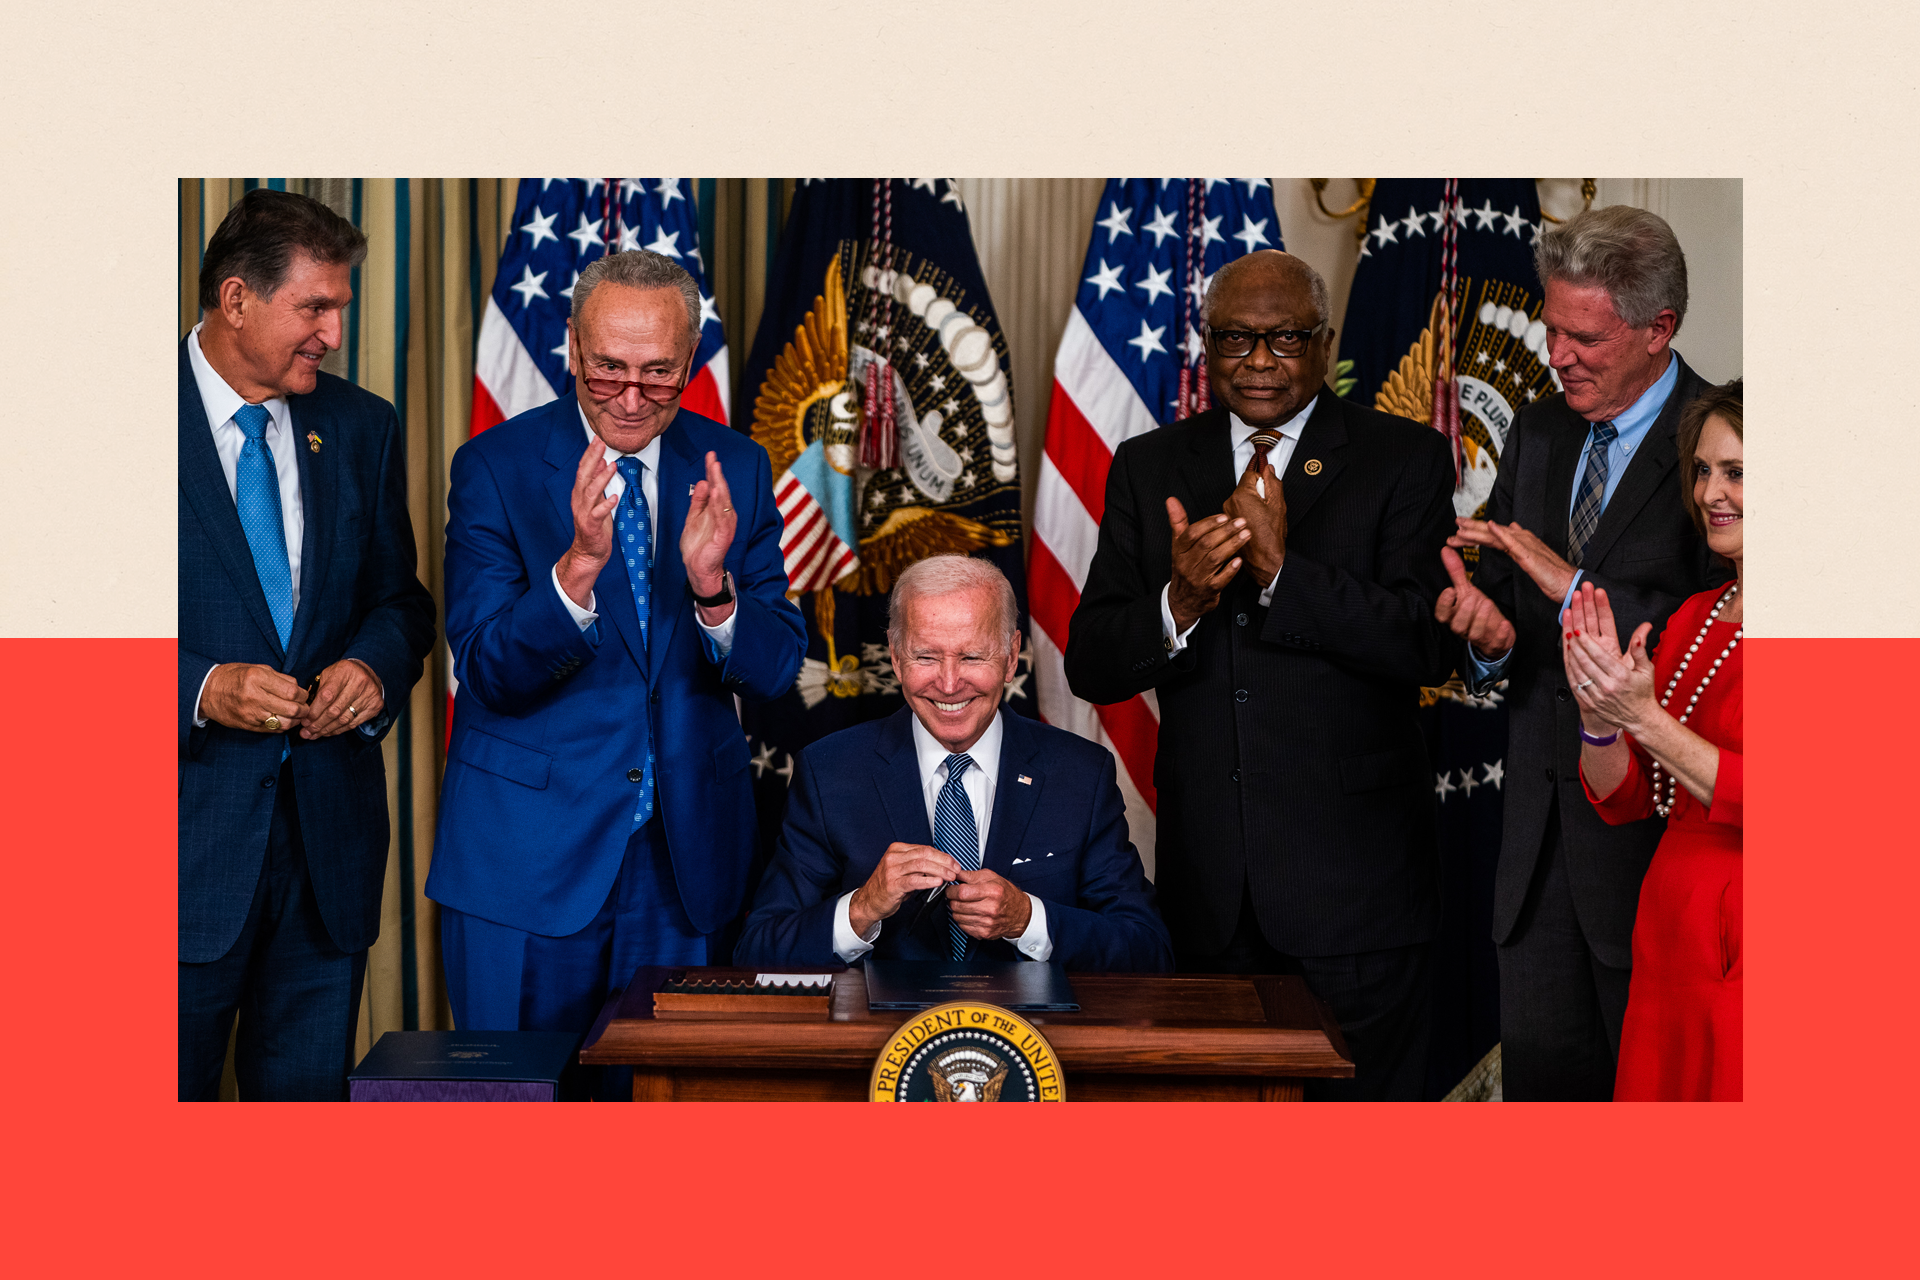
703,396
1078,452
485,412
1051,600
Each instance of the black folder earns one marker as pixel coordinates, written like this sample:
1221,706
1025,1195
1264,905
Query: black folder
1021,985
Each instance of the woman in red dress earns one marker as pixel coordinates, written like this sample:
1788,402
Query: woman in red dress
1663,735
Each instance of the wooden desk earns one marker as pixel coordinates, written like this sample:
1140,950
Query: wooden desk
1137,1038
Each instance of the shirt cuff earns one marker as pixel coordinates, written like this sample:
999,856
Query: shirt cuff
582,618
200,721
1036,943
1176,640
1266,597
1485,672
722,635
847,944
1566,601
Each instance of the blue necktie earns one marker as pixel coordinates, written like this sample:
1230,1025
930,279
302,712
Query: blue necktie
955,834
633,543
1593,493
256,493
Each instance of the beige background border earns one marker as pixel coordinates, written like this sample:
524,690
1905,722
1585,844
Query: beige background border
101,121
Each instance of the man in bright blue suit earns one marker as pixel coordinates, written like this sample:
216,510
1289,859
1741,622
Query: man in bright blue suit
614,579
296,574
951,830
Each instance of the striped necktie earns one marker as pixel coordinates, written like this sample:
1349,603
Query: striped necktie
955,835
1592,497
256,495
633,542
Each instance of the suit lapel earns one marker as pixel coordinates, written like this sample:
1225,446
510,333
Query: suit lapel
1013,800
1653,462
1206,474
680,469
317,506
1317,458
204,486
898,780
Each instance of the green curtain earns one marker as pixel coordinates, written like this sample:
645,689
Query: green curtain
433,246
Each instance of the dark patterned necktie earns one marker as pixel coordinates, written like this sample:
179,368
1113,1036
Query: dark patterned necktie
955,835
633,534
1593,494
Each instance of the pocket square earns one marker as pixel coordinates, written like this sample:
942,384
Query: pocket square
1017,861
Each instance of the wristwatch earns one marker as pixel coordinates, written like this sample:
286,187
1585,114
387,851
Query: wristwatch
723,596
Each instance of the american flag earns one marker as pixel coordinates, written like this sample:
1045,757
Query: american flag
1131,359
559,226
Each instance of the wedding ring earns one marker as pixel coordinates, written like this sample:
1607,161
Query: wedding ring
352,710
1583,684
272,723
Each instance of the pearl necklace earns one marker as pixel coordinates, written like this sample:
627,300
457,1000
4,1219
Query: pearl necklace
1665,807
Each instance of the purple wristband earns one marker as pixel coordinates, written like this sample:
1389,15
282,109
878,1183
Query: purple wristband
1592,741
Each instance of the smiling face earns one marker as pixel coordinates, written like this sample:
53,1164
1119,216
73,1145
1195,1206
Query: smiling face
1717,477
275,344
1267,291
952,667
1604,365
623,334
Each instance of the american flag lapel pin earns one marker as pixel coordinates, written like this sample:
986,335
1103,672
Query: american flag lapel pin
1023,780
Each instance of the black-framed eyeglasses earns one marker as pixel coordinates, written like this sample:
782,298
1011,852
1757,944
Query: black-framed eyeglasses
660,389
1286,344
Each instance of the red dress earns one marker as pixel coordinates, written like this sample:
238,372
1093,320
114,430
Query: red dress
1681,1037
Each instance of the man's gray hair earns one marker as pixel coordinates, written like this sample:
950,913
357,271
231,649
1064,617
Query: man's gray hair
1316,288
639,269
944,575
1631,253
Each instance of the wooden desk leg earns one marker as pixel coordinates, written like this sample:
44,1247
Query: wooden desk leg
1270,1090
652,1086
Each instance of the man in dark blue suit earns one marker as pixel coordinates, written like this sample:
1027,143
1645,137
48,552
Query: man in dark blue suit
1019,826
614,579
302,628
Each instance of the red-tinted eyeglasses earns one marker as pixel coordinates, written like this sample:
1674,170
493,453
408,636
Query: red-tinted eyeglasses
656,390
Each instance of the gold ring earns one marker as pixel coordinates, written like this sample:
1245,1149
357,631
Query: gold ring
272,723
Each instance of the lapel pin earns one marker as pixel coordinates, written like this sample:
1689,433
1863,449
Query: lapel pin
690,489
313,441
1024,780
1313,467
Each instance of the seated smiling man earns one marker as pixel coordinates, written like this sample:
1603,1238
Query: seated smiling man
1021,822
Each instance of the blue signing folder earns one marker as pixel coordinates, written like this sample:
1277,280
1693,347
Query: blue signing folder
1020,985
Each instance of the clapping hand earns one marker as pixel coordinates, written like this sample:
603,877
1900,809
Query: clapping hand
1614,688
1470,613
1533,557
1259,500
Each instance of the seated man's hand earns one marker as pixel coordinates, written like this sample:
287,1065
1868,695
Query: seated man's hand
987,905
242,695
903,869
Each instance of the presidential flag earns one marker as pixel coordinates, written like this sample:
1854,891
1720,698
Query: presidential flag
1132,357
1443,326
878,386
559,226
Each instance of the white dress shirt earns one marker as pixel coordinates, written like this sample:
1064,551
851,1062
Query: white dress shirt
1278,456
1036,943
649,458
221,402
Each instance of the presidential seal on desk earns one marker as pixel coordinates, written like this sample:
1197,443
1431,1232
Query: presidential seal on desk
967,1052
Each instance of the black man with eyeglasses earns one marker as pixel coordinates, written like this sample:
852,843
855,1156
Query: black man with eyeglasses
613,580
1267,568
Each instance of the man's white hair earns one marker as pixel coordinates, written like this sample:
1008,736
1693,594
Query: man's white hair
944,575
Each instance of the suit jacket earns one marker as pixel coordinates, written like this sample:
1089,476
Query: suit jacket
1061,836
359,598
535,806
1648,557
1289,758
